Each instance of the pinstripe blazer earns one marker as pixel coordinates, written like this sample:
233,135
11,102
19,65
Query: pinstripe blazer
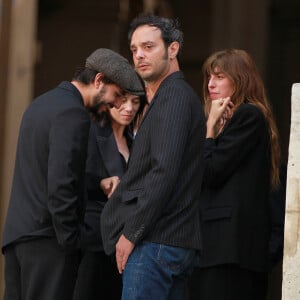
158,196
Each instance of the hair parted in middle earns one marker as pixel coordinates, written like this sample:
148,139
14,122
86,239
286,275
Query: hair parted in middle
241,69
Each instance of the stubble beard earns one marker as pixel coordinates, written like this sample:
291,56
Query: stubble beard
98,101
153,76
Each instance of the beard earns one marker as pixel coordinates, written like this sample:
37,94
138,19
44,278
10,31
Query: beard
98,106
160,69
98,102
98,99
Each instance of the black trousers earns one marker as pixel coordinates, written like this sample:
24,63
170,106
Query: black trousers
98,278
39,269
227,282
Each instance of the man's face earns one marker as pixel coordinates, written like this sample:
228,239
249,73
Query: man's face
150,55
108,94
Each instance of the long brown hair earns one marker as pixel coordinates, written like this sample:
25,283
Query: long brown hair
240,68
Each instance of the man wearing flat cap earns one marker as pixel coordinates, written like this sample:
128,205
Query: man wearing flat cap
41,238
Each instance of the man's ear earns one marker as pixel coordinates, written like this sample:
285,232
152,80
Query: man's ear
173,49
98,79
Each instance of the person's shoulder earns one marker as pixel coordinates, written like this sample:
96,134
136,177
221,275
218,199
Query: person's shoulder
176,84
63,94
175,79
250,109
249,114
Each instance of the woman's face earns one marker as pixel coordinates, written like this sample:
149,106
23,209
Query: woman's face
219,85
125,114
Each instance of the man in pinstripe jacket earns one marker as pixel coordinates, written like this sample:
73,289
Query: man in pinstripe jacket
151,222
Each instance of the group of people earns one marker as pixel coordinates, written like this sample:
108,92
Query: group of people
127,186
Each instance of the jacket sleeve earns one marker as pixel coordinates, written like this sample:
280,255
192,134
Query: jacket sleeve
93,162
227,152
68,140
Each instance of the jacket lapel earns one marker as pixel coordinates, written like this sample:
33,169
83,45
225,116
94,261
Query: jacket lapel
110,155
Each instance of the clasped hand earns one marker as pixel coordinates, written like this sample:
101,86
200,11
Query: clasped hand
221,110
109,184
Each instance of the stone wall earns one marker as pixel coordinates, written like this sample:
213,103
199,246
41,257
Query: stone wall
291,261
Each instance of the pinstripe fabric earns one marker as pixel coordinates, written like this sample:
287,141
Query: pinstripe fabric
158,196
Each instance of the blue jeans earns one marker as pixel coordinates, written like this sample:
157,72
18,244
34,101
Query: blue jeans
156,271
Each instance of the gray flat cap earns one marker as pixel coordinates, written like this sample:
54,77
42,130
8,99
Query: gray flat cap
116,68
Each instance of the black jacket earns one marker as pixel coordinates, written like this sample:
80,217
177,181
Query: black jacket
156,200
48,183
234,202
104,160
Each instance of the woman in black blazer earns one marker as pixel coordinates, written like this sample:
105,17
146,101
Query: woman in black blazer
242,157
111,136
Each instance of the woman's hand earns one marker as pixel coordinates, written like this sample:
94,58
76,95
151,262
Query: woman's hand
220,112
109,184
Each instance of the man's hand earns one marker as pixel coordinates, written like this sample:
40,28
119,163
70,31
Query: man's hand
123,249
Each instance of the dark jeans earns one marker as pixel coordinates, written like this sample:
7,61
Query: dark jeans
155,271
39,269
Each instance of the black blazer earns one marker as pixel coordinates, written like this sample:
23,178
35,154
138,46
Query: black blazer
48,183
156,200
104,160
235,198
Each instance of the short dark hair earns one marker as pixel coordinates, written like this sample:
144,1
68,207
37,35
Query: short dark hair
170,29
87,76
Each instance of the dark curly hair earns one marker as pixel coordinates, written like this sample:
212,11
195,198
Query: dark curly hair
169,28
